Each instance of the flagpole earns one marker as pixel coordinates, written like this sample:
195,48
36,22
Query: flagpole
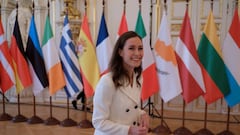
183,130
227,132
34,119
4,116
161,129
85,123
140,6
150,104
68,122
51,120
139,1
204,130
19,117
124,6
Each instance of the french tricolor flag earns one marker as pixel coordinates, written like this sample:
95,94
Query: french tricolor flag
103,47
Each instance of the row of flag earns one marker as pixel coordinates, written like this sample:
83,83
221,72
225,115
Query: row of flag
38,66
192,72
209,70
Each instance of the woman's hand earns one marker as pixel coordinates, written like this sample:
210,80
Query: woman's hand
138,130
142,128
144,120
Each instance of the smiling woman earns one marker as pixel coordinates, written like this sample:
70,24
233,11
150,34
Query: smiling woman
117,106
223,12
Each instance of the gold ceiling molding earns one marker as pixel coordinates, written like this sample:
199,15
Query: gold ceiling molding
176,27
73,13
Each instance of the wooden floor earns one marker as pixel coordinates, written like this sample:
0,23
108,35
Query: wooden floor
173,120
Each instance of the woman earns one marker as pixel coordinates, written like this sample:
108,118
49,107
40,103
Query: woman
117,108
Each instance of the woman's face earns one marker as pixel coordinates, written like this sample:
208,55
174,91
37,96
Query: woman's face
132,53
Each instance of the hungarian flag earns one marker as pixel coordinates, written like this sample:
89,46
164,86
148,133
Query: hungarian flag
167,68
87,59
22,73
69,61
52,61
210,55
7,79
123,27
103,47
150,84
230,49
35,56
188,63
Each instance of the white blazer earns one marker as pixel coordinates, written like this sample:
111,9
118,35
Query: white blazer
114,110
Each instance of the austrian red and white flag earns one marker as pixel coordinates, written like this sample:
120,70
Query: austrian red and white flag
188,63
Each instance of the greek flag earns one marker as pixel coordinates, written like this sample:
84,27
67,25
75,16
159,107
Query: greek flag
69,61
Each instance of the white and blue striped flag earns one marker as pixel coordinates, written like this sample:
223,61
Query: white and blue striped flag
69,61
231,51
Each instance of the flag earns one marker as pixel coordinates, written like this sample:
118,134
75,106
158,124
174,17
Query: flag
230,50
35,56
103,47
210,56
188,63
150,84
22,73
52,61
123,27
87,59
69,61
7,79
168,74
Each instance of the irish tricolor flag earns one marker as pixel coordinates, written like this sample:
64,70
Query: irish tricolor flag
52,60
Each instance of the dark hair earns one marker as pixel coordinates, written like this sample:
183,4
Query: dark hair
119,73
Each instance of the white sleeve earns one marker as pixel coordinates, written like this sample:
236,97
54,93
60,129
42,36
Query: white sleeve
101,109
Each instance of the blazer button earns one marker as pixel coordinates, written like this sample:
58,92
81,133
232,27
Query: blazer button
127,110
136,107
